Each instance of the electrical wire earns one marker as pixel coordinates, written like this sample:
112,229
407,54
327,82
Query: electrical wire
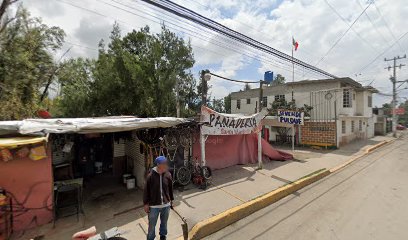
261,56
379,55
195,35
221,29
386,24
355,31
344,34
232,80
372,23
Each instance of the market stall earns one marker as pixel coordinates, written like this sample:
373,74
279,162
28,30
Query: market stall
92,160
231,139
25,183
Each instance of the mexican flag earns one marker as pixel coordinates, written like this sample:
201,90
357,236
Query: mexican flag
295,44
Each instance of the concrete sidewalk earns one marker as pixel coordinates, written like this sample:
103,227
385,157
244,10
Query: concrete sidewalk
235,185
231,187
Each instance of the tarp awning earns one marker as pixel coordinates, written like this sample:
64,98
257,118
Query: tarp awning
89,125
18,141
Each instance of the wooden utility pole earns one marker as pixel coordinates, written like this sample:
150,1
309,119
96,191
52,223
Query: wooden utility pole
394,90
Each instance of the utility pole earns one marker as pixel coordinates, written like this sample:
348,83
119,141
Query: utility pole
204,86
394,90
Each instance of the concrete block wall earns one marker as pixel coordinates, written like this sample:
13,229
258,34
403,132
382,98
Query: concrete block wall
319,133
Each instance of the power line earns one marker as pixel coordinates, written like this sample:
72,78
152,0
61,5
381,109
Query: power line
386,50
232,80
344,34
195,35
372,23
258,56
355,31
386,24
268,62
215,26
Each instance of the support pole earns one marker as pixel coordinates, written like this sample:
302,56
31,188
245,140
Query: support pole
260,150
394,91
202,148
293,138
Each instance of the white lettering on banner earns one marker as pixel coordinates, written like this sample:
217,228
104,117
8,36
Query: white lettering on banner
290,117
229,124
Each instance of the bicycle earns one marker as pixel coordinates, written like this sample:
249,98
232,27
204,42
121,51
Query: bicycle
192,171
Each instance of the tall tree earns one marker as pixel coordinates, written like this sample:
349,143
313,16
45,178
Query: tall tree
140,74
75,78
26,62
279,79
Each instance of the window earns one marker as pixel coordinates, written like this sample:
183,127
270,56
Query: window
280,98
347,102
248,101
264,101
352,126
343,127
370,101
360,125
239,104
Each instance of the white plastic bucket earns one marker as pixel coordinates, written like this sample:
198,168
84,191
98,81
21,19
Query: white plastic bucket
131,183
125,176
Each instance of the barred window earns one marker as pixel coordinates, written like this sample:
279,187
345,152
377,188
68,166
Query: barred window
265,101
280,97
352,126
347,102
239,104
343,127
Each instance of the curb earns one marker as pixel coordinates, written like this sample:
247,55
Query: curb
367,151
224,219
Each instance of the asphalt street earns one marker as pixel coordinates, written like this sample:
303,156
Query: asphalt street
366,200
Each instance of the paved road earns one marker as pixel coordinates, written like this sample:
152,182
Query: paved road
366,200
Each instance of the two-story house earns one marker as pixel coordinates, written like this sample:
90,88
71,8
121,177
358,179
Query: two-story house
342,109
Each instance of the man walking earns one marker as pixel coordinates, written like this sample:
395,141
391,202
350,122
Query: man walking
158,197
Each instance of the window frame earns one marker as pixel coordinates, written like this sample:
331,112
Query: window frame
343,127
248,101
353,126
265,101
360,125
239,104
280,97
347,98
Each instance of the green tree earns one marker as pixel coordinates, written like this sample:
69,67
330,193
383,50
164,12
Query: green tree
26,63
75,80
139,74
218,105
227,103
280,79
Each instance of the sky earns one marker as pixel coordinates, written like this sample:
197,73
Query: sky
321,27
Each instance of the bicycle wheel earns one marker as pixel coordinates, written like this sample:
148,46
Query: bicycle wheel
183,176
206,172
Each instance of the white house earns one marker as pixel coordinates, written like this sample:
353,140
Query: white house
342,108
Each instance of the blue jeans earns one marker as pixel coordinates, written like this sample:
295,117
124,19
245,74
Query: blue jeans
153,216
